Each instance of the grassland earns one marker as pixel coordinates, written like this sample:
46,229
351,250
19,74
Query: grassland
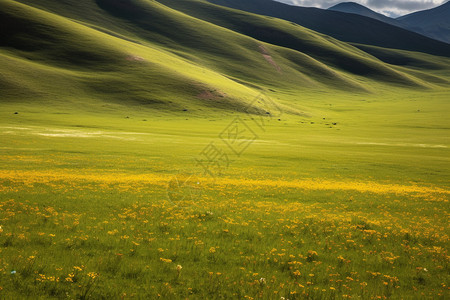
341,191
356,210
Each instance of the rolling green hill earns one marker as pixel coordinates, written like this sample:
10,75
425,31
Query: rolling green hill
178,55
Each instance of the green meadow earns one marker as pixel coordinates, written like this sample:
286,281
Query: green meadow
159,151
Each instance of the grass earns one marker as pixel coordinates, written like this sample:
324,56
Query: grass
341,191
356,210
119,241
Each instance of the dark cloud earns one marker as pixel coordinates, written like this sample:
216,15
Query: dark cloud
388,7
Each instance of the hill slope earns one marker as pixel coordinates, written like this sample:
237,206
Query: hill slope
177,55
433,22
83,63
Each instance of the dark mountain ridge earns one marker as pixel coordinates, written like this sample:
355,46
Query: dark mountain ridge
343,26
433,22
355,8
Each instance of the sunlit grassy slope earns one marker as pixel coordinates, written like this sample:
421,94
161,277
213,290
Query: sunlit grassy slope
146,54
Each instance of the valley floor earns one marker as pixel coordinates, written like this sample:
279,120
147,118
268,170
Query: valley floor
347,201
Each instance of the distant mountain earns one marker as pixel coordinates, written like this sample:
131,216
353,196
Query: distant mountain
343,26
433,22
355,8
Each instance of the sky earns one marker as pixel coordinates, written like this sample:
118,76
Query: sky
391,8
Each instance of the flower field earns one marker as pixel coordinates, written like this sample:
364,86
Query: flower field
118,209
69,234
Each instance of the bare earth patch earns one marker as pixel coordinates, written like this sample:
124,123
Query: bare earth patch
268,57
134,58
211,95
